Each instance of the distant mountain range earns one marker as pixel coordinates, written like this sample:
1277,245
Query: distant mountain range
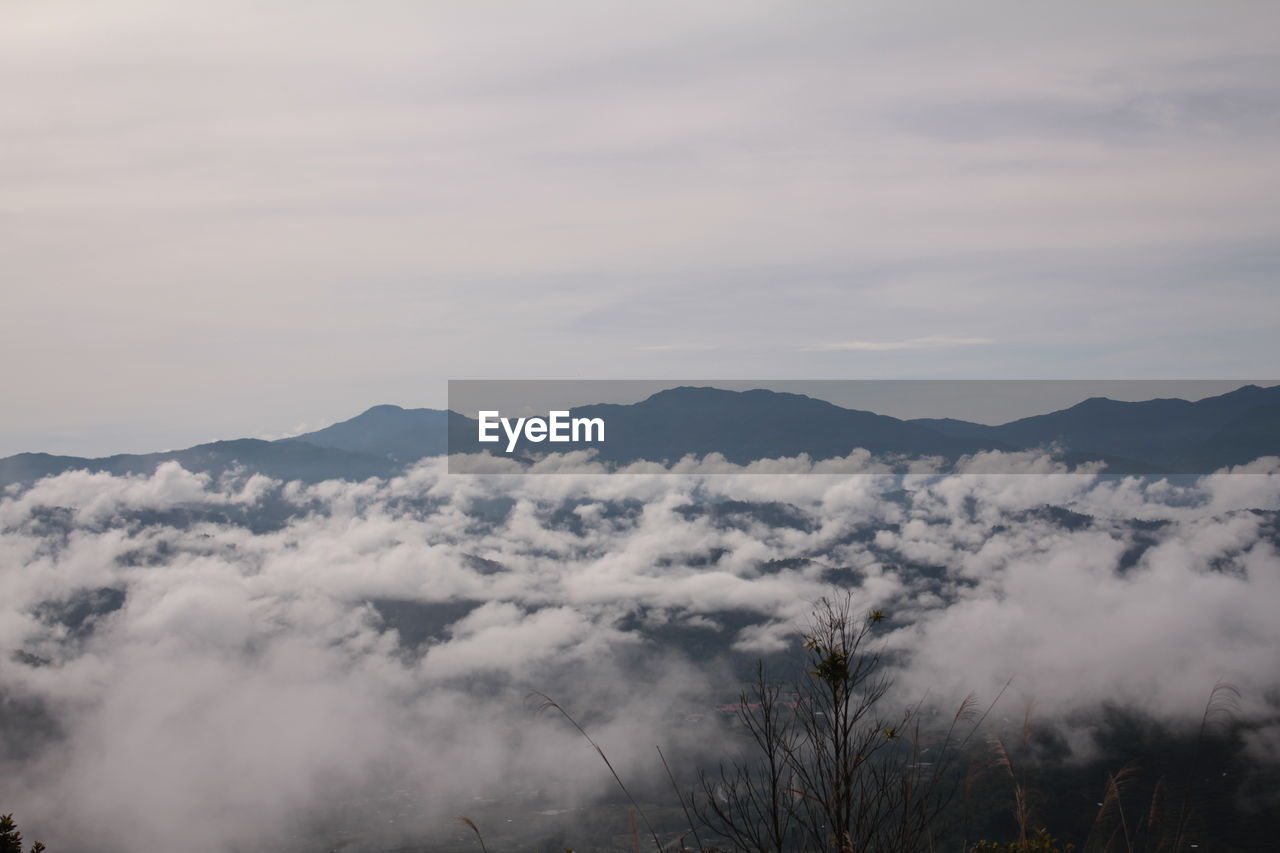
1166,436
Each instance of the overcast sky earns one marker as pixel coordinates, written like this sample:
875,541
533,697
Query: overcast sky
251,218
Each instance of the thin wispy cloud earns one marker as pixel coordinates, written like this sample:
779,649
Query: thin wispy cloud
938,342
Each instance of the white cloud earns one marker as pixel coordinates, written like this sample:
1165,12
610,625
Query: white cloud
934,342
251,673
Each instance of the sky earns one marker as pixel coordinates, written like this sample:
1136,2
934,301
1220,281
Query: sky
258,218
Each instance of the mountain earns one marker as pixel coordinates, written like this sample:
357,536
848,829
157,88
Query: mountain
1243,439
1168,435
759,424
401,435
1150,437
287,460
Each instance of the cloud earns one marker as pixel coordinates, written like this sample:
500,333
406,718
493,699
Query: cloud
936,342
276,652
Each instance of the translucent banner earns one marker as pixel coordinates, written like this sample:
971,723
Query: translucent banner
1109,427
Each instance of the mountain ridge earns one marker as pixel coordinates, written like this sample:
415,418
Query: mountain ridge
1164,435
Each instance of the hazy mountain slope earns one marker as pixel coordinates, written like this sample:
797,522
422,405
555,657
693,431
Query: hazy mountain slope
1167,434
1152,436
1255,433
759,424
287,460
404,435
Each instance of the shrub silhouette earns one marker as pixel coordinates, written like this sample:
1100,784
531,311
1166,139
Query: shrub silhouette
831,769
11,839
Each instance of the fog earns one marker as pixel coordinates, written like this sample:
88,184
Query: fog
207,665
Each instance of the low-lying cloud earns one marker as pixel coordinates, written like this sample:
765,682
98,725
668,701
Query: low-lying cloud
200,664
